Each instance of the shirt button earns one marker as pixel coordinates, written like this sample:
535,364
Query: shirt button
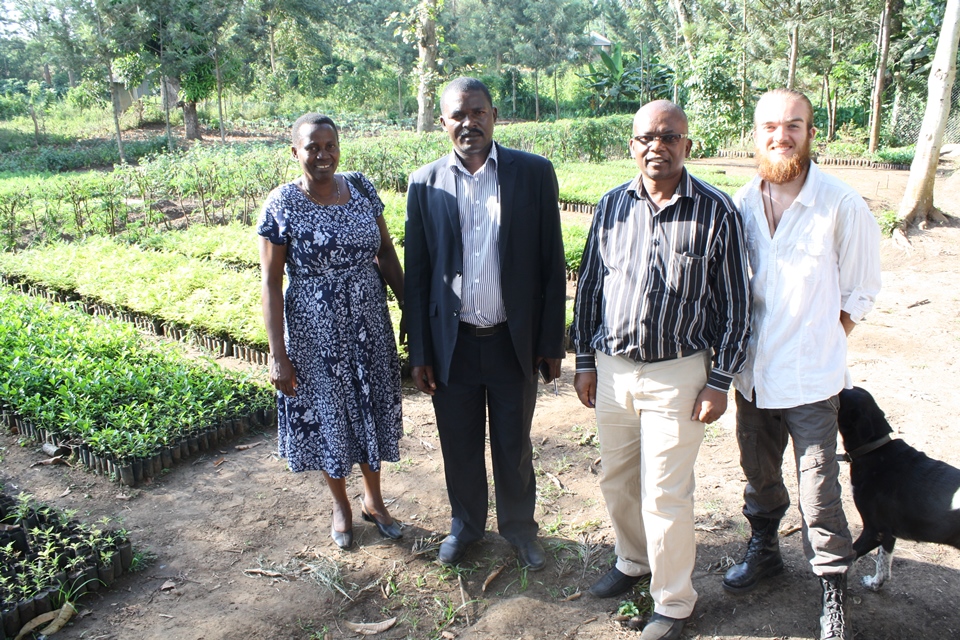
477,254
476,279
478,229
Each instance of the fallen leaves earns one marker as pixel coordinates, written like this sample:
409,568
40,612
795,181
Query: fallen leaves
370,628
51,461
244,447
493,576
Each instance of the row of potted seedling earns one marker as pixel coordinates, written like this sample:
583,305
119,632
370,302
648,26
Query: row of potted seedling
47,558
121,402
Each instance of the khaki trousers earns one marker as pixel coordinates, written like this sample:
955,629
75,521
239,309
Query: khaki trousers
649,445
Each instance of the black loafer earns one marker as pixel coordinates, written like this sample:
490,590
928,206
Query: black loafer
613,583
344,539
452,550
391,530
531,555
663,627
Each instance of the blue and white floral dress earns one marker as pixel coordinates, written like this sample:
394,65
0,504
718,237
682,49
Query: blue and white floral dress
338,334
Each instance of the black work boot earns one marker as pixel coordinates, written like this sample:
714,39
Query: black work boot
761,560
833,619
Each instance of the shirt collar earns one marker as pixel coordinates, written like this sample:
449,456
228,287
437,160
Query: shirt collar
456,165
684,188
808,193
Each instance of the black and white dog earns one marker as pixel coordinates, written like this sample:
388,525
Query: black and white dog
899,491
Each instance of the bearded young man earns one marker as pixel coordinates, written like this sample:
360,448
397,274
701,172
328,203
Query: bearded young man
814,252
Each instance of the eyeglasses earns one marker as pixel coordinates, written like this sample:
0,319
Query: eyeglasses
668,139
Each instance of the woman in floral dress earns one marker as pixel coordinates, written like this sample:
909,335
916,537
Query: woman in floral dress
333,357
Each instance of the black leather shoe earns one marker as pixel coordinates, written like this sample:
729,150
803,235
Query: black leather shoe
391,530
531,555
613,583
663,627
452,550
344,539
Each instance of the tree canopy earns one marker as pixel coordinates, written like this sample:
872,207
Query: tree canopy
857,59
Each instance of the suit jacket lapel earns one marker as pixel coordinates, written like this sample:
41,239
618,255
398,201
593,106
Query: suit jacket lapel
447,184
507,175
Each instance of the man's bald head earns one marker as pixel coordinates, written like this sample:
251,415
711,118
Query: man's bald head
659,107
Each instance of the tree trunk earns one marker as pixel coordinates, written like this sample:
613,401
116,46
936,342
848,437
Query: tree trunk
216,63
115,100
36,126
917,203
168,96
556,94
427,67
47,77
191,124
878,85
400,93
683,20
794,54
536,95
513,75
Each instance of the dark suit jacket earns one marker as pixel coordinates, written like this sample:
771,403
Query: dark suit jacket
532,265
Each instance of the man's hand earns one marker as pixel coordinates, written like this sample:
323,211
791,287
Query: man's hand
403,328
585,382
423,378
709,406
846,322
553,365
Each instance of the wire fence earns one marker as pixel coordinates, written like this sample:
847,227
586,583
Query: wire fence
906,116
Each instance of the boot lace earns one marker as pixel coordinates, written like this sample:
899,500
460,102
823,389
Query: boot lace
832,621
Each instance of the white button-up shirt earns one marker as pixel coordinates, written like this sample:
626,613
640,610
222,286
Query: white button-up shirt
478,199
823,258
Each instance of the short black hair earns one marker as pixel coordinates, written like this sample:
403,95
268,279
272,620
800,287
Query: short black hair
465,84
310,118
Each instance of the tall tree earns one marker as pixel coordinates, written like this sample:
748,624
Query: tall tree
889,24
917,204
549,33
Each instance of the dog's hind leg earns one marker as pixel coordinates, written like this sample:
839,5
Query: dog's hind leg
884,561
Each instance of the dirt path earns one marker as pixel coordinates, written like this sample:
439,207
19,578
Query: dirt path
209,525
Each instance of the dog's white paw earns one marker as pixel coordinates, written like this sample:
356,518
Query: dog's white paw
884,562
874,583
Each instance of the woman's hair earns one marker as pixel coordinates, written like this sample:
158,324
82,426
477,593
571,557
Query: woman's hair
310,118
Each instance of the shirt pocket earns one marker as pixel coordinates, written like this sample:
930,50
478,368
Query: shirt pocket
807,257
686,275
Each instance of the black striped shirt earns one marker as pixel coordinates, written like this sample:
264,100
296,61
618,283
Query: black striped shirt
658,283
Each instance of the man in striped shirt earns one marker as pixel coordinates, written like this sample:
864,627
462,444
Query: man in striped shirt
660,328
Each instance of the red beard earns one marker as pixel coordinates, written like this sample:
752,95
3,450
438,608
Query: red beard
782,170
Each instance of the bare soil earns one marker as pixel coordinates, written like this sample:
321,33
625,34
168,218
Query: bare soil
242,545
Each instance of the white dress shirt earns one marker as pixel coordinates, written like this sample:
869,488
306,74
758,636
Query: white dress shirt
823,258
478,200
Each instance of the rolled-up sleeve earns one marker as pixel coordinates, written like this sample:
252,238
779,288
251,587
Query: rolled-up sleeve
858,245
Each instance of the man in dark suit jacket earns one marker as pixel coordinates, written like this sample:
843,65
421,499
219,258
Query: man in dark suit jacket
484,306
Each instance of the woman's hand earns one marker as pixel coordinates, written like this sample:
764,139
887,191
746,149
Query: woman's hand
282,375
